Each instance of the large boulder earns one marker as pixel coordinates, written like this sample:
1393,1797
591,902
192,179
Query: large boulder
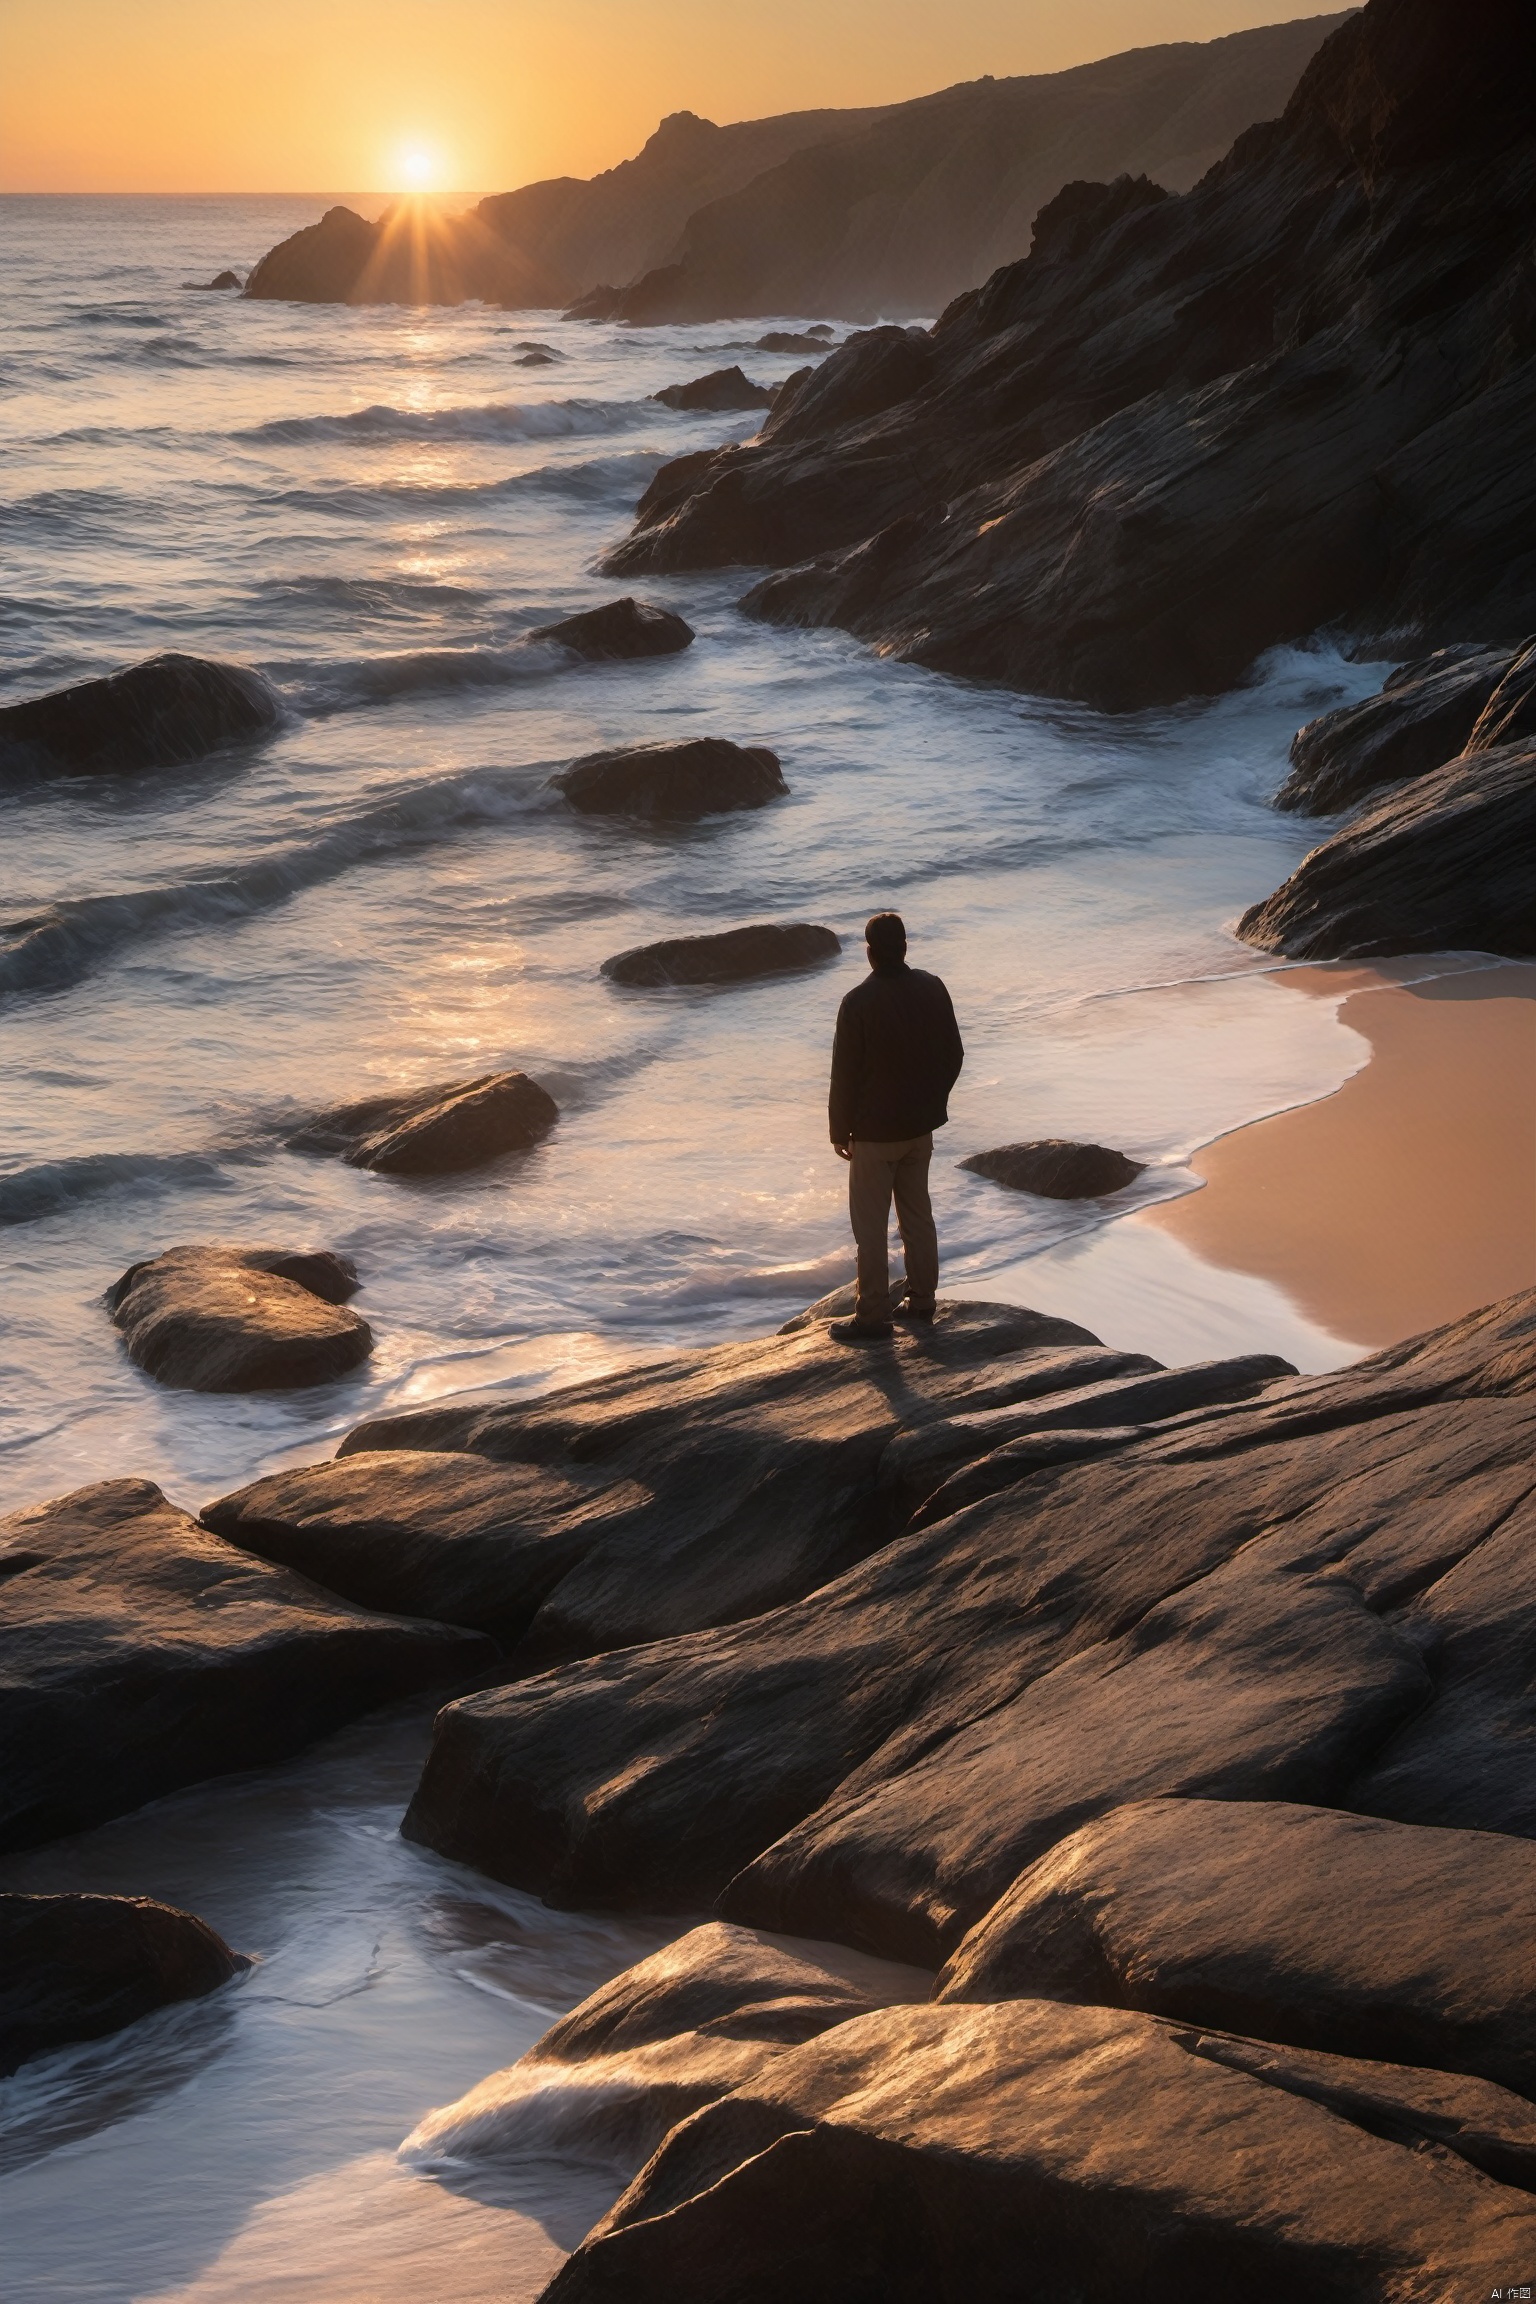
1247,1601
673,783
1444,863
439,1131
723,389
1422,718
1032,2151
158,714
76,1967
1057,1169
694,1491
142,1653
1253,1683
620,629
218,1318
1289,1923
733,956
699,2018
436,1533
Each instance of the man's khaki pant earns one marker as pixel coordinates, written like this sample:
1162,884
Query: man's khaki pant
877,1174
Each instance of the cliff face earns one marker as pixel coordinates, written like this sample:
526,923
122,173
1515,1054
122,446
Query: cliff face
1184,430
614,226
930,197
892,208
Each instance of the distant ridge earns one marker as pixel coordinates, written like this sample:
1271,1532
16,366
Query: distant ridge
889,210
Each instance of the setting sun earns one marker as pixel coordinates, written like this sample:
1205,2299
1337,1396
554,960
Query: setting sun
417,168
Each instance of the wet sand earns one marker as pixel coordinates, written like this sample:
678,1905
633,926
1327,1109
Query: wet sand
1408,1196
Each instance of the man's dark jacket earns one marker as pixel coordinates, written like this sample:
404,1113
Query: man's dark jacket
896,1057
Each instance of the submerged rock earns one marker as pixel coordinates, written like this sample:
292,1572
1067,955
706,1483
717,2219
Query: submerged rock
143,1654
618,629
1446,862
536,360
218,1318
723,388
1224,1605
1041,2150
817,340
1056,1169
219,280
675,783
1422,718
439,1131
1294,1924
158,714
77,1967
734,956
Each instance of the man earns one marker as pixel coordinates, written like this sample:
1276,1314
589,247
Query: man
896,1057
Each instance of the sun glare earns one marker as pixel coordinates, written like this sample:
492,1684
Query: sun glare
417,168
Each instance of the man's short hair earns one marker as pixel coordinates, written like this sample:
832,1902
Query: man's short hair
886,936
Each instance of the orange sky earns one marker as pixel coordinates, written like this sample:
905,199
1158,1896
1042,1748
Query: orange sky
316,95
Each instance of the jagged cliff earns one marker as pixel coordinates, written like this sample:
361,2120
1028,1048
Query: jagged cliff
1185,429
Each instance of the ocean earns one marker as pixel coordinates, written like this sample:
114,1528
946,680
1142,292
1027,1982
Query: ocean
374,507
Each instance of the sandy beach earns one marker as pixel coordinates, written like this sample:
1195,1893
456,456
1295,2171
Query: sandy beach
1408,1196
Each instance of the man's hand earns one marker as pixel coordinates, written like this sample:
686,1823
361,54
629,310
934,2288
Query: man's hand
844,1151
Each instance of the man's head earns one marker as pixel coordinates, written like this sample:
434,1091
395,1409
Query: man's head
886,939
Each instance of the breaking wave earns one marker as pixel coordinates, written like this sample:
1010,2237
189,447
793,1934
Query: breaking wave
497,420
30,1194
68,941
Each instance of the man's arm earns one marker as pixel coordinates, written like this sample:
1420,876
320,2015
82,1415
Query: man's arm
847,1052
953,1045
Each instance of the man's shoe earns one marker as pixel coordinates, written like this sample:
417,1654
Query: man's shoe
859,1331
922,1312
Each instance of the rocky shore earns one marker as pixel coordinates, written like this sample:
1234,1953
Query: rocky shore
1184,429
1091,1765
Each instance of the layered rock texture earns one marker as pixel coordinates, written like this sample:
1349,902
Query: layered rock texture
1041,2151
442,1130
1445,855
77,1967
142,1653
1186,429
1321,1602
733,956
157,714
702,1489
674,783
220,1318
1446,862
889,209
1424,715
